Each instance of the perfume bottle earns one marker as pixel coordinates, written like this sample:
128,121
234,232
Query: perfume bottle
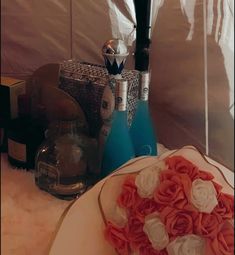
65,162
118,147
114,52
141,130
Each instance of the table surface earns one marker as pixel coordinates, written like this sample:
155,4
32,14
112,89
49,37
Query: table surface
29,216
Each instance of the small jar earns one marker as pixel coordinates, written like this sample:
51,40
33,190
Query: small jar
66,161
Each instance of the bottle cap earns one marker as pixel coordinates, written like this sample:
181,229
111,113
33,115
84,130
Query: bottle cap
115,53
121,95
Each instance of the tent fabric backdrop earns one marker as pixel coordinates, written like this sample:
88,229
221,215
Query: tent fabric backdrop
191,58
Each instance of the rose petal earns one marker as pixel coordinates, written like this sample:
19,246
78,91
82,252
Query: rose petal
223,243
129,196
117,237
207,225
181,165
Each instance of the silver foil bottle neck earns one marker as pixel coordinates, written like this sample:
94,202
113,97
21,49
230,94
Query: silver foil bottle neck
144,81
121,89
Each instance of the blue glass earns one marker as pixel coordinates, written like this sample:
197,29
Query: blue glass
141,131
118,147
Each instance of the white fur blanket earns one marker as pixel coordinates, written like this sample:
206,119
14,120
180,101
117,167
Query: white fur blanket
28,215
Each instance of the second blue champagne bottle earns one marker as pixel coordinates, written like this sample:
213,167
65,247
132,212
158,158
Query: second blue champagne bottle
141,130
118,148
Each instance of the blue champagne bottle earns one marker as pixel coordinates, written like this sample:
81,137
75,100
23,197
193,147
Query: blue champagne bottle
118,147
141,131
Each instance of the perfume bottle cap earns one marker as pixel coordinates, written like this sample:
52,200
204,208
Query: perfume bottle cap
115,53
144,81
121,95
115,46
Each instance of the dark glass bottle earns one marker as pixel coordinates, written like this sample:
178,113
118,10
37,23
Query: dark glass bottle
24,135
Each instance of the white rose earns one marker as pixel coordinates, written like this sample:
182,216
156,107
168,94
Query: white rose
203,195
148,179
187,245
231,222
118,216
156,232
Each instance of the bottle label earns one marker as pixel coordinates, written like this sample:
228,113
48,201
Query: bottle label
121,95
107,103
144,93
17,150
144,86
48,172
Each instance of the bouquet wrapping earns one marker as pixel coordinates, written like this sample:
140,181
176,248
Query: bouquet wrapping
178,205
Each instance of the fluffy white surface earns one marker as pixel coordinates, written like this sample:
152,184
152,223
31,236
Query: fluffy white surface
28,215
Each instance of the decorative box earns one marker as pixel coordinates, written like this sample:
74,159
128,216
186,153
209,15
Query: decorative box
86,81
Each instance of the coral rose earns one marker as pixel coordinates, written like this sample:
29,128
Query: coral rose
129,197
206,176
178,222
136,235
145,207
225,207
183,166
207,225
117,237
173,189
150,251
223,244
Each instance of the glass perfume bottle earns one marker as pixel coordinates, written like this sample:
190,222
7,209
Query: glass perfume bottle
141,131
118,147
114,52
66,160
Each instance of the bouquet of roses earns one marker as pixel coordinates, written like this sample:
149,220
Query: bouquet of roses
171,208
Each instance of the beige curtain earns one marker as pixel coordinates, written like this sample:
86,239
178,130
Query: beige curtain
191,58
